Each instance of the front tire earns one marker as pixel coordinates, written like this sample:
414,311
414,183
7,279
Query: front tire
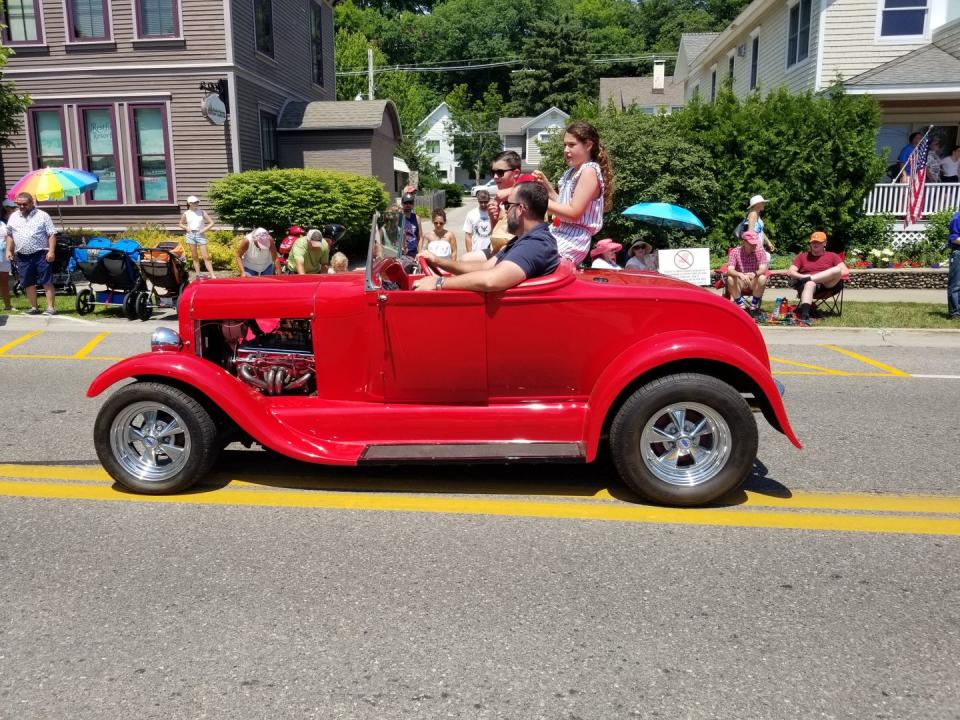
155,439
684,439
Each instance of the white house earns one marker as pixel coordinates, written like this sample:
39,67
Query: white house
436,141
906,53
522,134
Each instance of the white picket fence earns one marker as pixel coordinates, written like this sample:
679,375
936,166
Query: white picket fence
891,198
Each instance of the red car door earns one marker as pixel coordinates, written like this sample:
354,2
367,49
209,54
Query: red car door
434,346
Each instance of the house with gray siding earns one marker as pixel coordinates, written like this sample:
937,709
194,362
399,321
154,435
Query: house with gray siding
657,93
524,134
159,97
905,53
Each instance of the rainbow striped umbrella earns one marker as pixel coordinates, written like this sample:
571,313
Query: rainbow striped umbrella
54,183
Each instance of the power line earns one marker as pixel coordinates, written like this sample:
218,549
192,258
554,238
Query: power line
426,67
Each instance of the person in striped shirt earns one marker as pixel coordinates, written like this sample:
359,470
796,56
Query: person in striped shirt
584,193
747,271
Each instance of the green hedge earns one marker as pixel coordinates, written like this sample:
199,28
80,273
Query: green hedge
276,199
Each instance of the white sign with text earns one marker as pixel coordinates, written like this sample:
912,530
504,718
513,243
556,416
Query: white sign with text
691,265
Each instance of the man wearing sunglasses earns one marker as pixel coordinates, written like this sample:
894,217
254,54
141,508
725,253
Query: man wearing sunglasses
31,238
532,253
505,169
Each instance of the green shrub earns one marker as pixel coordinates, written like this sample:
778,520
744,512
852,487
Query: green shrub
221,244
865,233
938,228
454,194
276,199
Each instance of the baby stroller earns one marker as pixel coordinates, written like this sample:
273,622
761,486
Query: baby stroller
63,268
165,269
115,266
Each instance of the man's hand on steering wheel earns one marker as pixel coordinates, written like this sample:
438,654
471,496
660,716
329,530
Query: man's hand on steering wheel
427,261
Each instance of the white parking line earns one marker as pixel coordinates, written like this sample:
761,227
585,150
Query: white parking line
937,377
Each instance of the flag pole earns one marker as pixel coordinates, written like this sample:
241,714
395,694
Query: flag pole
929,128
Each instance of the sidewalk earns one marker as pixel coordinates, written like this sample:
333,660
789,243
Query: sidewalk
868,295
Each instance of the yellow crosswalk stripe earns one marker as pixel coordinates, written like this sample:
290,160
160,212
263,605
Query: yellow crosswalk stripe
88,348
19,341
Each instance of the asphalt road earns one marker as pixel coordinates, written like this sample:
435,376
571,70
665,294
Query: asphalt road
831,588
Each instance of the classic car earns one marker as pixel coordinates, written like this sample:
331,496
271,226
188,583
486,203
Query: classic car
356,368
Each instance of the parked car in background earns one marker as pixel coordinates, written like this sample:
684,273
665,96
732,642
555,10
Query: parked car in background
357,369
490,186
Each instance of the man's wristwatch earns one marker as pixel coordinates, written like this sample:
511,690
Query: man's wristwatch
439,285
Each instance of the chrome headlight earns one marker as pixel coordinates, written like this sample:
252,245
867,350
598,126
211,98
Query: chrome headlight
163,338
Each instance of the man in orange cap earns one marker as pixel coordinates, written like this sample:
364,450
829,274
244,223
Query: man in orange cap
813,271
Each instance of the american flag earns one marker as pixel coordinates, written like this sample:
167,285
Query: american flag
917,171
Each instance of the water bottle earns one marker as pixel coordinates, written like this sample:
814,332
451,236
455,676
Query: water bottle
776,308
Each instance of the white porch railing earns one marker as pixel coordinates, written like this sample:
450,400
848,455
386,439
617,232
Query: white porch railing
891,198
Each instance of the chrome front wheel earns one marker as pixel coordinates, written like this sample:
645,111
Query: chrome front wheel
153,438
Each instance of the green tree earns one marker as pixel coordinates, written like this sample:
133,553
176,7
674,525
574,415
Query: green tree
475,138
557,70
12,106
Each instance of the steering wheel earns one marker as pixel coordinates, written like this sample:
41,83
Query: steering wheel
425,266
390,270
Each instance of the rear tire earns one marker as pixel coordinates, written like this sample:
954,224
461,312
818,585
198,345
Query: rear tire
130,305
155,439
684,439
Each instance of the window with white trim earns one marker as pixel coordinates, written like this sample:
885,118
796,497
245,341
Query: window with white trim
713,84
903,18
798,35
432,147
754,61
22,21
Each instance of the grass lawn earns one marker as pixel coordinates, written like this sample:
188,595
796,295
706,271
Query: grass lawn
886,315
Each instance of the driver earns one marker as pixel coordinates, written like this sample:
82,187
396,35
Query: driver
532,253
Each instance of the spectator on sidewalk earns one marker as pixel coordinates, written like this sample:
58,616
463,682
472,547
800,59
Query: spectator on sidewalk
310,254
5,264
747,272
642,257
410,226
953,278
195,222
31,238
338,263
477,227
755,221
438,240
257,254
813,271
605,255
9,208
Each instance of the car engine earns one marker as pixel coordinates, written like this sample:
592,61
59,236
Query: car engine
275,362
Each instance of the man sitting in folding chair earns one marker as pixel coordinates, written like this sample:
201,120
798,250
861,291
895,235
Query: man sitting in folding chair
746,272
816,275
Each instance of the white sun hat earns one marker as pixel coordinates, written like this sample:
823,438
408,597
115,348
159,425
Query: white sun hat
756,199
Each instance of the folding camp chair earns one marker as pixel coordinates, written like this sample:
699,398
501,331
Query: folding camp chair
829,301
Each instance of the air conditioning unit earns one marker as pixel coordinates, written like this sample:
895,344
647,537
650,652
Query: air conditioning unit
742,50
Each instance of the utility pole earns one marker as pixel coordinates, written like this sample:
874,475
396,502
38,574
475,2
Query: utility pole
369,73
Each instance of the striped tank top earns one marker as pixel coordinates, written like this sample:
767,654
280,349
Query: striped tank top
573,236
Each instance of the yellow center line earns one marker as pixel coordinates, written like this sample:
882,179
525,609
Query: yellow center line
361,486
88,348
504,508
22,339
889,369
18,356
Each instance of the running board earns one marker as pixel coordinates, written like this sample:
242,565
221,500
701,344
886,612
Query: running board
477,452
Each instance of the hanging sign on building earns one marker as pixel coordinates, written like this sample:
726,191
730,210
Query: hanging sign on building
214,110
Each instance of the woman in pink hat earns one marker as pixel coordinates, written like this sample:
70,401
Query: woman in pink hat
257,254
605,255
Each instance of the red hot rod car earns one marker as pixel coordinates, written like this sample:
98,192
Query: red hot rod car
356,368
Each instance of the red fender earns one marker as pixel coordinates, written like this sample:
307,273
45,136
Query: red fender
671,347
250,410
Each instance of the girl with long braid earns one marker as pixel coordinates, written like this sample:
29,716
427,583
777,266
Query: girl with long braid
583,194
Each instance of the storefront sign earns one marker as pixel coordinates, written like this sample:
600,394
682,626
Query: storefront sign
691,265
214,110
